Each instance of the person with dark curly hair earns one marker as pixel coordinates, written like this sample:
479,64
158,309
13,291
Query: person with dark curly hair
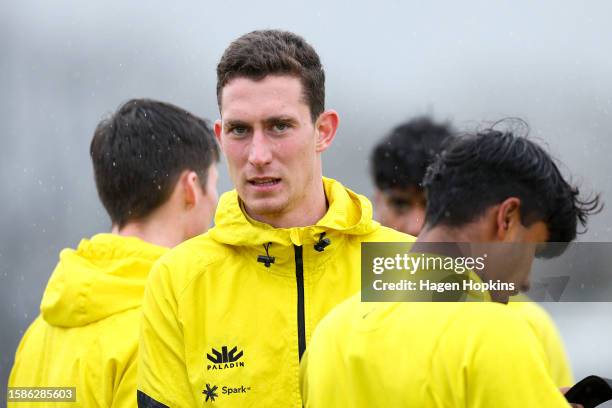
489,187
397,165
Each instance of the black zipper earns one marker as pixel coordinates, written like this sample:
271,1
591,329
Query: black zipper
301,319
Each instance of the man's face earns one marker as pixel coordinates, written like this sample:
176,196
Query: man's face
511,259
401,209
269,140
531,240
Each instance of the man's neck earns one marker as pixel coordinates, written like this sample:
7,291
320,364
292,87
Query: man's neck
446,234
452,241
154,231
459,240
303,215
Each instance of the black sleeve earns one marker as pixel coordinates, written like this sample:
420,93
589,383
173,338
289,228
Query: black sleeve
144,401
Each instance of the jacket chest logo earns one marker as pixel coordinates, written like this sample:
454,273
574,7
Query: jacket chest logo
224,359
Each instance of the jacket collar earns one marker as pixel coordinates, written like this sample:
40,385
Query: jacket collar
348,214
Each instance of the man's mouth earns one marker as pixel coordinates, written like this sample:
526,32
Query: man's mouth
263,181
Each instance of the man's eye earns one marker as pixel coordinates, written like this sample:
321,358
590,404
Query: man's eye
280,127
238,130
400,204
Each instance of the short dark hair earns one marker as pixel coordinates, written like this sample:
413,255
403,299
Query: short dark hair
401,158
139,152
273,52
476,171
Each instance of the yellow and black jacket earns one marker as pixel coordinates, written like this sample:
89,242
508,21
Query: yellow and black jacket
228,315
87,333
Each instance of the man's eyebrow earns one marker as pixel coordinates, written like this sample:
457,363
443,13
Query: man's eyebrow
281,118
399,196
234,122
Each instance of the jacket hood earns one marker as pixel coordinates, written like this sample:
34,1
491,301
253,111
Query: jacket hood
103,276
348,213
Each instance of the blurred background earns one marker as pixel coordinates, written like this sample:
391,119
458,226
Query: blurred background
65,65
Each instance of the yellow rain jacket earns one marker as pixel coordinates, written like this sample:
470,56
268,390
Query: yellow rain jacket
548,337
417,354
87,333
227,315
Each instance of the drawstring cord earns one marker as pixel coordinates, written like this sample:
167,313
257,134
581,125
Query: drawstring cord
323,242
266,259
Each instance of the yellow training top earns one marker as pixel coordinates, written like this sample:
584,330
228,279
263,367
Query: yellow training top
87,333
418,354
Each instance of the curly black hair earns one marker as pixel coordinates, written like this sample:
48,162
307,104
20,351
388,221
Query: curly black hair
401,158
476,171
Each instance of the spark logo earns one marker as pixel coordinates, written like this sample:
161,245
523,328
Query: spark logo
211,393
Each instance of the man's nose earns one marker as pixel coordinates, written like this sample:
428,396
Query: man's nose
260,151
413,222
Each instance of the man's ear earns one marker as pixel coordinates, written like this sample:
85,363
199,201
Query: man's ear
326,126
218,130
378,198
379,202
508,217
189,182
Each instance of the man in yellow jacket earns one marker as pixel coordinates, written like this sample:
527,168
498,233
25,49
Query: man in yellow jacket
397,164
491,187
228,315
155,170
